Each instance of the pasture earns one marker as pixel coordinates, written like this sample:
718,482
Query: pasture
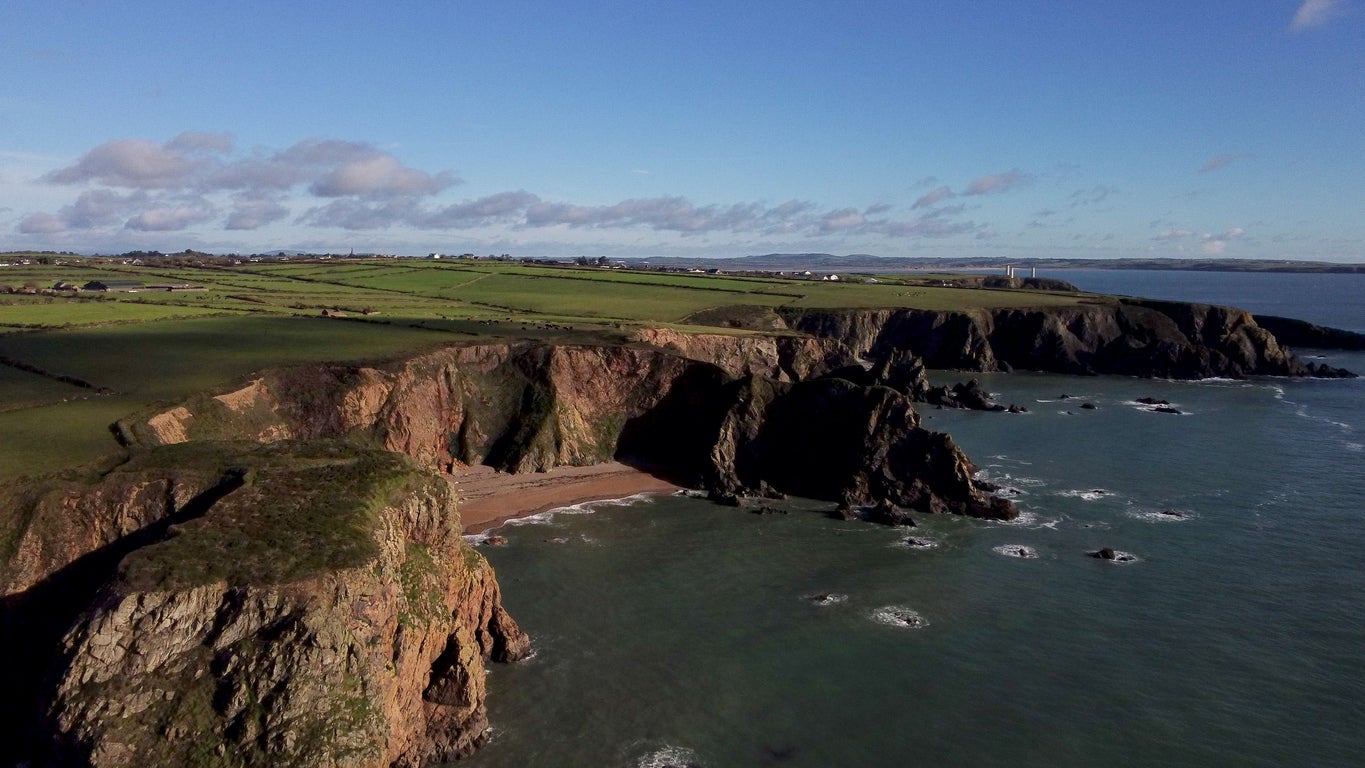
139,347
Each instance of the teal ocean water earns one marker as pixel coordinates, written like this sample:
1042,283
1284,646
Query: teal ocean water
670,631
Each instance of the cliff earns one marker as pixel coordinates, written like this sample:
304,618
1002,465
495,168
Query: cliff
731,427
291,604
1297,333
1128,337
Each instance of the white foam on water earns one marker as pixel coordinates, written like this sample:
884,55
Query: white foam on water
1355,446
476,539
916,542
900,617
825,598
669,756
1020,551
1024,519
584,508
1160,515
1093,494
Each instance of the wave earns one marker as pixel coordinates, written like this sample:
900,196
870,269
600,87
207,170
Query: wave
1161,515
1093,494
1301,411
825,598
1021,551
582,508
669,756
1025,519
916,542
899,616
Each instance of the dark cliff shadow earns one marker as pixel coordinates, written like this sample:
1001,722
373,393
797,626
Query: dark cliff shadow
673,440
33,622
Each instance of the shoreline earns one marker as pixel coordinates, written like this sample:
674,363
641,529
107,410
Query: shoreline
489,498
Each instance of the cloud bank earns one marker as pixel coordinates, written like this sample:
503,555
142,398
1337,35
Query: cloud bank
200,179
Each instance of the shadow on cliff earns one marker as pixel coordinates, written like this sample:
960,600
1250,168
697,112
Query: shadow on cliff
33,622
674,439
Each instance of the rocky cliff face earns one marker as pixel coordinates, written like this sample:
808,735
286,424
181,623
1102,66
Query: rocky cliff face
312,604
730,427
1128,337
1297,333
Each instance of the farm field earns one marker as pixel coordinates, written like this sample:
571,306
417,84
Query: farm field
139,347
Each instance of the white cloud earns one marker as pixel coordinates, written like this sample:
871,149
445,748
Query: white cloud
201,141
378,175
170,219
997,182
132,163
135,188
1218,162
933,196
1316,13
255,212
41,224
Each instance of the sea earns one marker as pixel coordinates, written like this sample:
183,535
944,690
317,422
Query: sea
1228,631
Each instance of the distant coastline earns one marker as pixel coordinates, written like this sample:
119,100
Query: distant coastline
768,262
892,263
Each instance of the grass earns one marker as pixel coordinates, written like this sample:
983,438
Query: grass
155,347
306,508
21,389
66,312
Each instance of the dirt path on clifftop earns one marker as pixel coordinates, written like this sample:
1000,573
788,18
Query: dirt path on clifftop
489,498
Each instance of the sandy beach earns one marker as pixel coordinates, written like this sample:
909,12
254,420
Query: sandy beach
488,497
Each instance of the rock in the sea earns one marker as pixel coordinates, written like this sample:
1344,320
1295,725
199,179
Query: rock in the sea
826,598
1167,409
1112,555
1088,406
1017,408
1152,401
887,513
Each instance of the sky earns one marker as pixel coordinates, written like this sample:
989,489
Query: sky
1080,129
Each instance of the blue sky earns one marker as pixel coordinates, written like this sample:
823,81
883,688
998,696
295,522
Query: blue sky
1232,128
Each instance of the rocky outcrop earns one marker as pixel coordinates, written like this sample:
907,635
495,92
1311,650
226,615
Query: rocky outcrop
785,357
1297,333
313,605
826,438
726,428
1129,337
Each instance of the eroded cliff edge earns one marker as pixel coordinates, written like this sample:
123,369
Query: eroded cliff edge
732,416
300,603
1131,337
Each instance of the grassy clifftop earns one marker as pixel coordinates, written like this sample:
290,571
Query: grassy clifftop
302,508
76,361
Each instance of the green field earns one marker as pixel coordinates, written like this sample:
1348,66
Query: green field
139,349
